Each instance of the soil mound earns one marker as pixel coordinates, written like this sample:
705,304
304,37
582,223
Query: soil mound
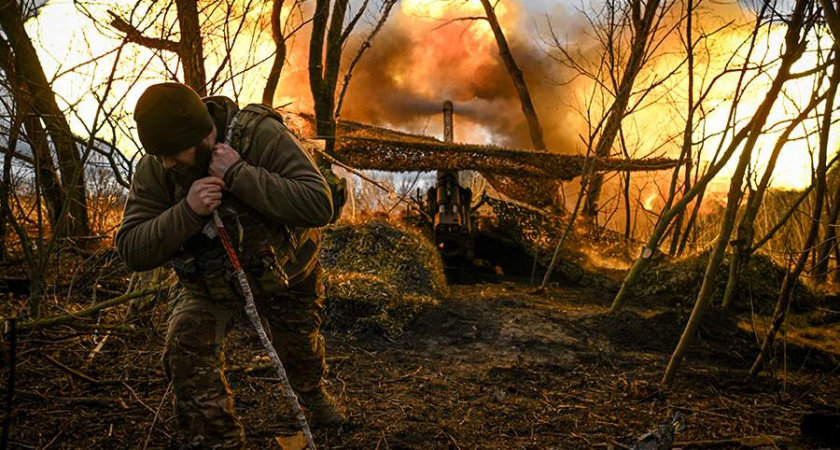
671,281
379,276
659,332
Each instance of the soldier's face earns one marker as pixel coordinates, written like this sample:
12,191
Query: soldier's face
189,158
183,159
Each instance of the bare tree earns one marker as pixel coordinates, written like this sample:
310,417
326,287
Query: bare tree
743,244
36,135
791,277
22,199
798,26
742,138
644,21
33,90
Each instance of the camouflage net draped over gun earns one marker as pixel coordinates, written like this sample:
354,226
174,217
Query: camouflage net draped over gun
538,232
540,192
426,155
527,227
526,175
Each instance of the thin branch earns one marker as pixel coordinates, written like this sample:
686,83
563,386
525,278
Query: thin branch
134,35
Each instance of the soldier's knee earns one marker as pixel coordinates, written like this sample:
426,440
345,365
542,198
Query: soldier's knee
191,345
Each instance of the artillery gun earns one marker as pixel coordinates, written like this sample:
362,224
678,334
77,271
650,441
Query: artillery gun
528,180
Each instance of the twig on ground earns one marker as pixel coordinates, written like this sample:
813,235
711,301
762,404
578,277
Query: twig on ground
157,413
69,370
45,447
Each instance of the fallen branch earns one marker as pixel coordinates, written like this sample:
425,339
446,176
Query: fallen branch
67,318
69,370
250,368
101,328
78,374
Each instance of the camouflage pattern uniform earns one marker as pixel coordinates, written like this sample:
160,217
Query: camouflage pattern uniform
194,359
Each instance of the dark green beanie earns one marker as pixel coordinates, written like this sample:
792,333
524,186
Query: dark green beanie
171,118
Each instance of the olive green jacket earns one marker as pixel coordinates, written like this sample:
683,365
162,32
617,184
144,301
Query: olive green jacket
277,178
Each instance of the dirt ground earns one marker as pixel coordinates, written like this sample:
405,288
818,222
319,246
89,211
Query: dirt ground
492,367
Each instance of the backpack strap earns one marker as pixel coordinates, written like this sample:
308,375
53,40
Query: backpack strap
243,126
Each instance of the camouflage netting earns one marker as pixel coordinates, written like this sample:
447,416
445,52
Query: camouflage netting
526,226
679,281
419,155
540,231
379,277
539,192
525,175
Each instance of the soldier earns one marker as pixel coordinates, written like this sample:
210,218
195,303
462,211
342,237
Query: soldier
272,198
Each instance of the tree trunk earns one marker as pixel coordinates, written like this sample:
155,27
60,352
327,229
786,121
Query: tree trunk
5,191
190,49
642,27
279,55
324,118
627,219
37,289
688,131
528,110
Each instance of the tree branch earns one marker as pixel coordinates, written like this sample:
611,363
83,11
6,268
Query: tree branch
136,36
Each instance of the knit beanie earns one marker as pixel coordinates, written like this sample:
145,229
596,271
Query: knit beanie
171,118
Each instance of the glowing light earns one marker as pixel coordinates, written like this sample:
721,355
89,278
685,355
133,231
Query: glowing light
793,169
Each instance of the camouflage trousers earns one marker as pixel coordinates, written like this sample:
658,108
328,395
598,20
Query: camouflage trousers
193,355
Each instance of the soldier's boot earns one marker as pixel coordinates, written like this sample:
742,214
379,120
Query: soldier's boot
323,408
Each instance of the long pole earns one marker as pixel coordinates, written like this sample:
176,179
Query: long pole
254,317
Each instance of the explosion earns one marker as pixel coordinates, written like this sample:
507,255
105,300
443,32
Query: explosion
430,51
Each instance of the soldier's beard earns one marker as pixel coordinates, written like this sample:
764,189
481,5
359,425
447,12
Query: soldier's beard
187,175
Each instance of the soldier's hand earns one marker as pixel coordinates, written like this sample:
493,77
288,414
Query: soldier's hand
222,158
205,195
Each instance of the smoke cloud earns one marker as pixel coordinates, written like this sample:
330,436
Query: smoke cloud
419,62
423,57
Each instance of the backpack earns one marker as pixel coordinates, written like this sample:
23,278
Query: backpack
240,133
